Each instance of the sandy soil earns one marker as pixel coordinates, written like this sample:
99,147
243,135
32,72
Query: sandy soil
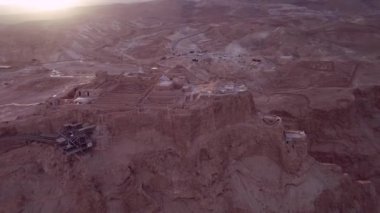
181,92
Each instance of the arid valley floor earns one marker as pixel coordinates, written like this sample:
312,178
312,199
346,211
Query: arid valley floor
198,106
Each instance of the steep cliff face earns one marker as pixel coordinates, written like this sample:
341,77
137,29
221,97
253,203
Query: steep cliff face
348,136
218,156
200,106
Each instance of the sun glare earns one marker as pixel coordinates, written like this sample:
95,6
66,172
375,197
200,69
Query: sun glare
44,5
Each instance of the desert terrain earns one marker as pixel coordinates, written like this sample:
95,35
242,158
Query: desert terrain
197,106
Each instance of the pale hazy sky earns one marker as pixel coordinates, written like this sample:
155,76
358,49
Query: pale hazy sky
16,6
15,2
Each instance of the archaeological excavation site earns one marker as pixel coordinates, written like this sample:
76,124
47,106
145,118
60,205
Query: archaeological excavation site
188,106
